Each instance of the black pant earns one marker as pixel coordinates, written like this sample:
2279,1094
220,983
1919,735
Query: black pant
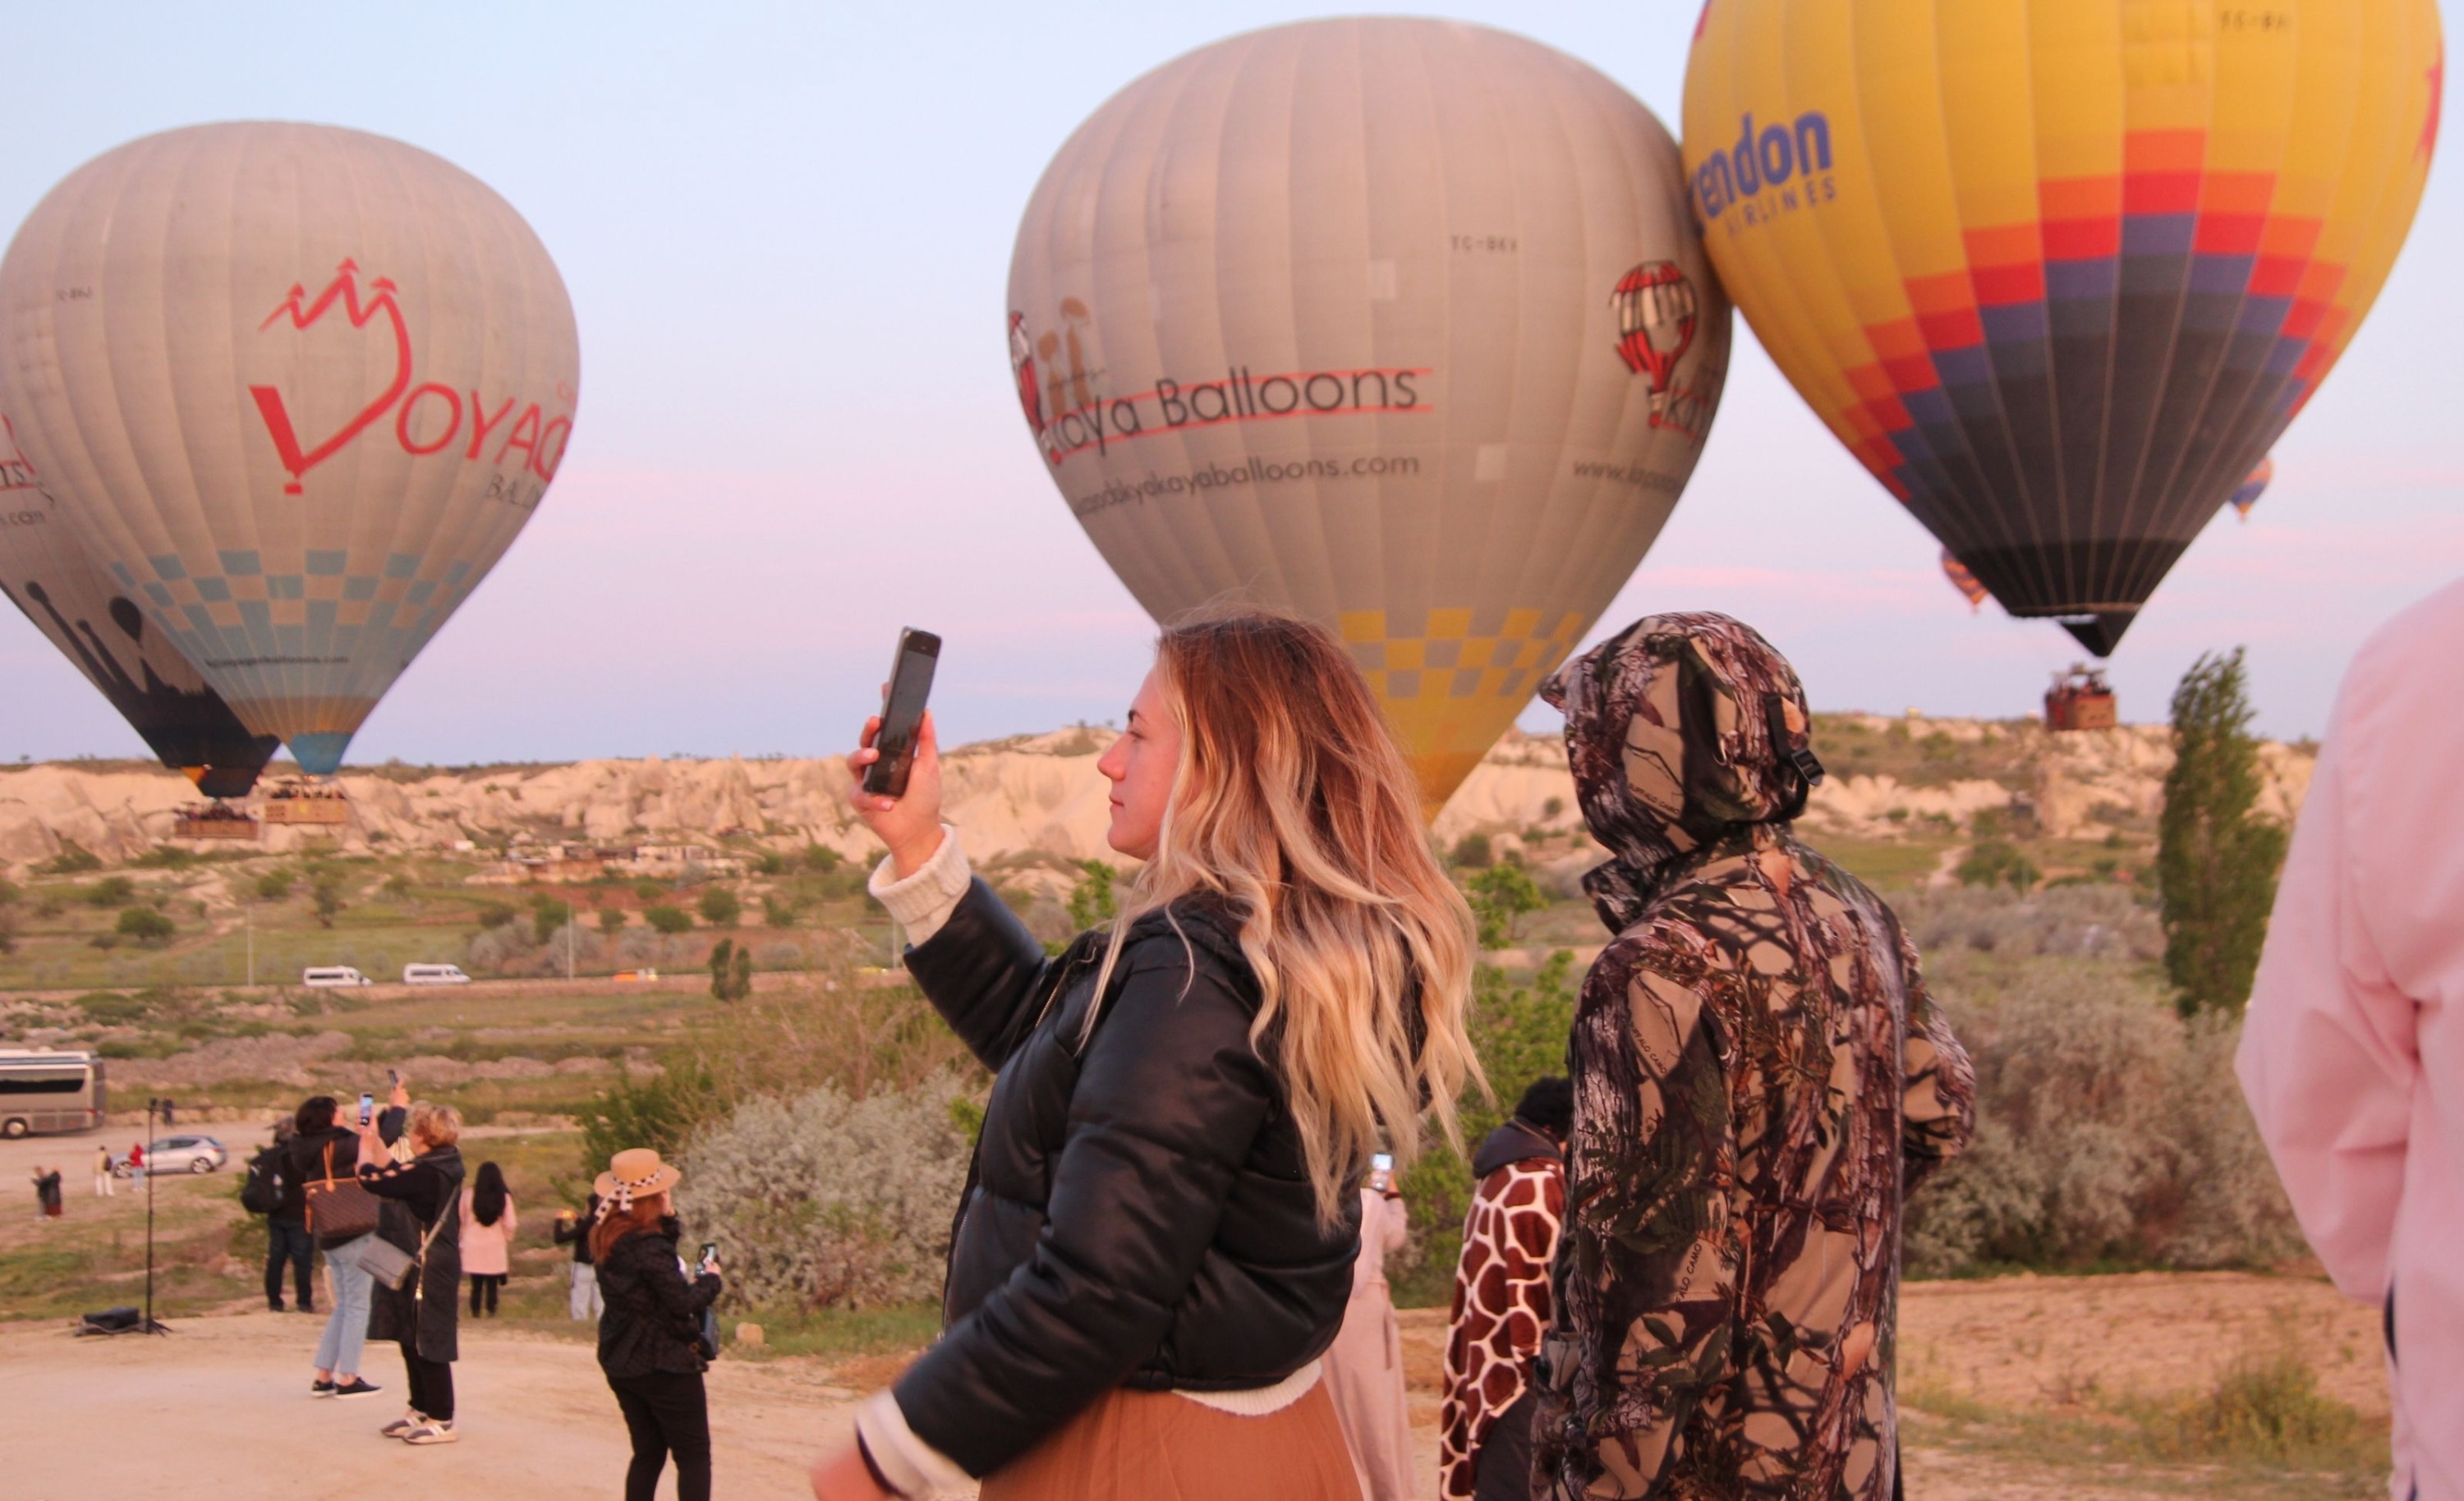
487,1282
666,1413
1502,1470
431,1384
289,1240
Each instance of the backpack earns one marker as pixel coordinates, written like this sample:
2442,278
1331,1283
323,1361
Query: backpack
262,1193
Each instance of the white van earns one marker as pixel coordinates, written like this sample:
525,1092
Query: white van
433,974
331,977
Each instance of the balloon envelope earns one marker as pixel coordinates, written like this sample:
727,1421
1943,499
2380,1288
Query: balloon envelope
1962,580
295,388
1399,324
45,573
2058,272
2246,493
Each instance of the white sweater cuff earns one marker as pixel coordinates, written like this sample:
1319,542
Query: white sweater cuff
921,903
915,1468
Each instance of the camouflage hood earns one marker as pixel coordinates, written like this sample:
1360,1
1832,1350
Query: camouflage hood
1681,729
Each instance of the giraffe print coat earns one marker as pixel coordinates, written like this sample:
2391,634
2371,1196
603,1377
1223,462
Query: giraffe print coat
1759,1079
1501,1304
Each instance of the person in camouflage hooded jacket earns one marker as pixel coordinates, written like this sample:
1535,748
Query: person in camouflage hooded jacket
1759,1080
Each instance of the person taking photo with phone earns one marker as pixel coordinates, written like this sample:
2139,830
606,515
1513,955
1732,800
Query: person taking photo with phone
324,1152
1158,1239
651,1341
422,1186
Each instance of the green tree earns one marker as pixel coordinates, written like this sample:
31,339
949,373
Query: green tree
731,970
821,858
648,890
720,907
325,897
778,910
145,925
2216,858
111,891
1092,902
1501,895
667,919
494,915
548,916
611,919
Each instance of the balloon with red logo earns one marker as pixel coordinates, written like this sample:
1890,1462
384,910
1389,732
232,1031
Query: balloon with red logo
1399,324
296,390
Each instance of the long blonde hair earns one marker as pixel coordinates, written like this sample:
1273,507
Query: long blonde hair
1292,801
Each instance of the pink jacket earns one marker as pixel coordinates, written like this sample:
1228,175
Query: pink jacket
486,1249
2352,1053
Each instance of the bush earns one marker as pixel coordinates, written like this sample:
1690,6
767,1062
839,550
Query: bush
325,897
611,919
72,860
2104,921
548,918
494,915
667,919
111,1009
1471,851
731,970
825,1202
1996,862
111,891
273,886
2109,1130
821,858
648,890
165,856
1091,901
1501,895
779,911
145,925
720,907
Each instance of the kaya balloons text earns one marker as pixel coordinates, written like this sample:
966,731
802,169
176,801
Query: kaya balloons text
1399,324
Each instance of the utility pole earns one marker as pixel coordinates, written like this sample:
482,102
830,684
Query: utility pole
249,910
152,1104
572,936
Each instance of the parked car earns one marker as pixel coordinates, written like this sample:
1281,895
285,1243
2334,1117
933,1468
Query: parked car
433,974
185,1154
325,977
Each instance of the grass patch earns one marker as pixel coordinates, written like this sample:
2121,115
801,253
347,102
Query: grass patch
834,1333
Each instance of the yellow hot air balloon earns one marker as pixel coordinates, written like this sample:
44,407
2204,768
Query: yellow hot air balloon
1397,323
2058,272
295,388
45,573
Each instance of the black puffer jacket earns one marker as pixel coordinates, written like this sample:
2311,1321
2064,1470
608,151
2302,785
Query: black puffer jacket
654,1314
1138,1214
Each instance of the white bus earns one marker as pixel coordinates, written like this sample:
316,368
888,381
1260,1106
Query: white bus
49,1092
433,974
328,976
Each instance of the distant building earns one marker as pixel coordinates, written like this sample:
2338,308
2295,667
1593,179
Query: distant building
529,864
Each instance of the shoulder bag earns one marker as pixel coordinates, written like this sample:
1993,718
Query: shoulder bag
393,1267
338,1209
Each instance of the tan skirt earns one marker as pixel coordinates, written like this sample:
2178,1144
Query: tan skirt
1134,1446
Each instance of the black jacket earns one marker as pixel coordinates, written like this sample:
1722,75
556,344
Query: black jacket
425,1191
1518,1140
576,1232
1138,1212
654,1314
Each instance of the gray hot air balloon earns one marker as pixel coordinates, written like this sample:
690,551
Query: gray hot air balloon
45,573
295,388
1402,324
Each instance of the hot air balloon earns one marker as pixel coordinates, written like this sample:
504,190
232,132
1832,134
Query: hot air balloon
1962,581
45,573
2247,494
295,388
1399,324
2059,272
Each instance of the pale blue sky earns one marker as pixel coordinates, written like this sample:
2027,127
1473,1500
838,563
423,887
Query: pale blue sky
787,230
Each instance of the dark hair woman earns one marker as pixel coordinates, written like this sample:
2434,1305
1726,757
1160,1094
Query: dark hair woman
649,1337
319,1149
489,1223
1158,1239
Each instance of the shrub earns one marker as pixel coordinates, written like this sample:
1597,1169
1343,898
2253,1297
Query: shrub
821,858
548,918
1471,851
1091,901
111,891
325,897
1996,862
145,925
611,919
777,911
398,885
494,915
110,1007
769,863
720,907
648,890
2108,1129
731,970
165,856
1500,898
72,860
273,886
667,919
826,1201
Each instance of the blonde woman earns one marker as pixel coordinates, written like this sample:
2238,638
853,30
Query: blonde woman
1156,1244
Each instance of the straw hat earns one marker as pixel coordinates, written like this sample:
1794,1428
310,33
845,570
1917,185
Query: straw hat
634,1171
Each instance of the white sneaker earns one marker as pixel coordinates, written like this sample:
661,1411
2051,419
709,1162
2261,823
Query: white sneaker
412,1417
434,1431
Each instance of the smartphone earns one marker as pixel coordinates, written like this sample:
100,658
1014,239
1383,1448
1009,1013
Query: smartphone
902,711
1382,1171
709,1252
368,1108
393,1077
